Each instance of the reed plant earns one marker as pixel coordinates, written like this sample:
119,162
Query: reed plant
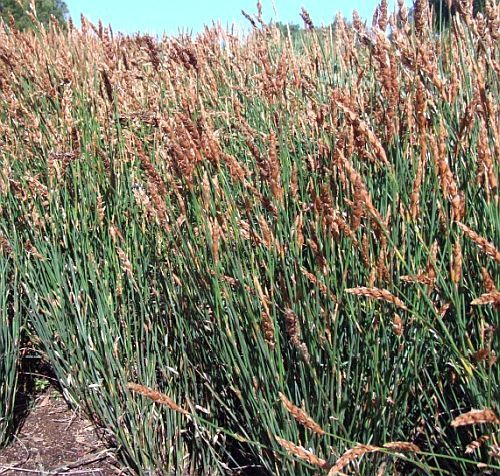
258,254
10,334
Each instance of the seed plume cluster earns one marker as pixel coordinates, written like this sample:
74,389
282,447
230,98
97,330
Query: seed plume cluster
286,237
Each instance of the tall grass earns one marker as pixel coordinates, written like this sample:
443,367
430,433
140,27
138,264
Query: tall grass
258,255
10,331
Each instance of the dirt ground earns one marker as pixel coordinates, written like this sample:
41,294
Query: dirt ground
53,440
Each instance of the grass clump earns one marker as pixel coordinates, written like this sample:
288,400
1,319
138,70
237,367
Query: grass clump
263,255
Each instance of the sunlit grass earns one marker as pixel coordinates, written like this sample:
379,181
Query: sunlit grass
224,221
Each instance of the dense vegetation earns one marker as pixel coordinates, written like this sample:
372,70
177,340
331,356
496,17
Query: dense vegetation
256,254
20,13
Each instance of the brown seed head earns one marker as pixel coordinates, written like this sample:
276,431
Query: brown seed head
475,417
487,298
476,444
376,293
301,453
481,242
156,396
489,284
351,455
292,329
383,17
456,264
124,261
397,325
301,416
307,19
402,446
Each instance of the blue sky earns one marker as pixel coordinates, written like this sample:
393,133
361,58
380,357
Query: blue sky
158,16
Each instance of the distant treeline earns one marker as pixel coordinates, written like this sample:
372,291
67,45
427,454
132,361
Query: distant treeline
17,11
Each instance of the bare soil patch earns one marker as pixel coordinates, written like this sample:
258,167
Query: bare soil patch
55,440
